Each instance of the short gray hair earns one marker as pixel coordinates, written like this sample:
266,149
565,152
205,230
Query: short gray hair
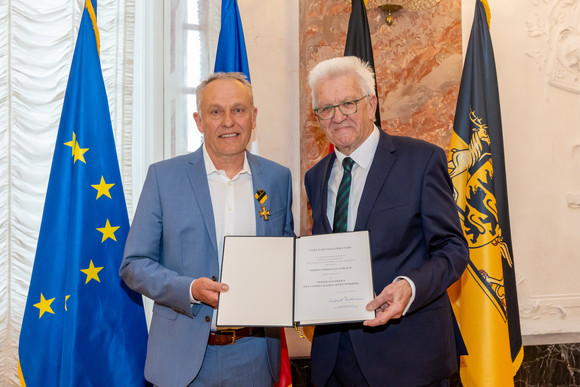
220,75
343,65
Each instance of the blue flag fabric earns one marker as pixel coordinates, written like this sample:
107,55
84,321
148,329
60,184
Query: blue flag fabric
231,52
82,326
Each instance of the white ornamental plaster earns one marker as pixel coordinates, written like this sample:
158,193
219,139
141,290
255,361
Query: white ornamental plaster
549,314
555,28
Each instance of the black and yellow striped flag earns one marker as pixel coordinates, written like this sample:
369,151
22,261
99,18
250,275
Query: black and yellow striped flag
485,299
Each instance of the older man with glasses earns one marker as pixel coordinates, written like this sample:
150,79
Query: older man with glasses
399,190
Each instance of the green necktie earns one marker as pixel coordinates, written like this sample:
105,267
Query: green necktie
341,208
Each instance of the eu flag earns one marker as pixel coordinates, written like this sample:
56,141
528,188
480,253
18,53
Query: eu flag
485,299
231,51
82,326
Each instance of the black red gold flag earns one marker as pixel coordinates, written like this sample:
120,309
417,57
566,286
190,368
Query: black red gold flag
358,40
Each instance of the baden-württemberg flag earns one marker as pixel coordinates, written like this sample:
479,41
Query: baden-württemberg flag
82,326
485,298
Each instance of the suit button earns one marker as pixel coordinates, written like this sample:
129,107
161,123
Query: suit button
213,278
207,319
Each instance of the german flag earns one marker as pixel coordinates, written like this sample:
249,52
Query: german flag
358,40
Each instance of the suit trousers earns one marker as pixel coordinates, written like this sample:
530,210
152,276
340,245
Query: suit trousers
346,370
244,363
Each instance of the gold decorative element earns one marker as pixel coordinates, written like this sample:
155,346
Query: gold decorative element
305,331
409,5
391,6
299,331
264,213
261,197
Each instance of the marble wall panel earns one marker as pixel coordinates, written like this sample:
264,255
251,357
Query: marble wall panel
418,64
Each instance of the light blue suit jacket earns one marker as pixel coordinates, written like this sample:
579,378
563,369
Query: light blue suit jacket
172,241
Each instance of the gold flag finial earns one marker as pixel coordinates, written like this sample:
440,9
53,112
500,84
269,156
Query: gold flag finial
93,15
487,12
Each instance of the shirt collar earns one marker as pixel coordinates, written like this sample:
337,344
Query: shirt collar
211,169
364,154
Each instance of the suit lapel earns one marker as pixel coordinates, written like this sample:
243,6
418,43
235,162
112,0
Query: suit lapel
380,168
198,178
323,191
258,182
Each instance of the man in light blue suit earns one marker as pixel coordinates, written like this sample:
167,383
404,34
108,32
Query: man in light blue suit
174,248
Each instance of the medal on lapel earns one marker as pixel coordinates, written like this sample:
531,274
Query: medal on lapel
261,197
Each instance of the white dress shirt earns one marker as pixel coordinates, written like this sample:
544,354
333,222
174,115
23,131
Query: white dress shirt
363,157
232,201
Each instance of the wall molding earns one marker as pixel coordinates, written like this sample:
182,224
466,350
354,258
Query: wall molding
548,314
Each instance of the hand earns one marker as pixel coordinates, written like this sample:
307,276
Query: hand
205,290
391,303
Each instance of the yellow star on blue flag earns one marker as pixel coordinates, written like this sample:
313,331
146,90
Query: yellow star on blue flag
92,272
77,151
44,305
108,231
103,188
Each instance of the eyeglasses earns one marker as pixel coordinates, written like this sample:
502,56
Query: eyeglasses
347,108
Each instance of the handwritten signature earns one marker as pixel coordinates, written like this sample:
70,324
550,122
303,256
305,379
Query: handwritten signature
343,299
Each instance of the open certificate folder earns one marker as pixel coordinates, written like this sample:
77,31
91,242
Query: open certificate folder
277,281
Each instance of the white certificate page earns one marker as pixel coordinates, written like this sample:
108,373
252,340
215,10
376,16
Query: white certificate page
333,278
260,274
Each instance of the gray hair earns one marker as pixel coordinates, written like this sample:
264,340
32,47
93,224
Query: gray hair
343,65
234,75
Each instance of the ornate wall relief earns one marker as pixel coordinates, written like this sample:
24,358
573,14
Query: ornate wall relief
556,28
